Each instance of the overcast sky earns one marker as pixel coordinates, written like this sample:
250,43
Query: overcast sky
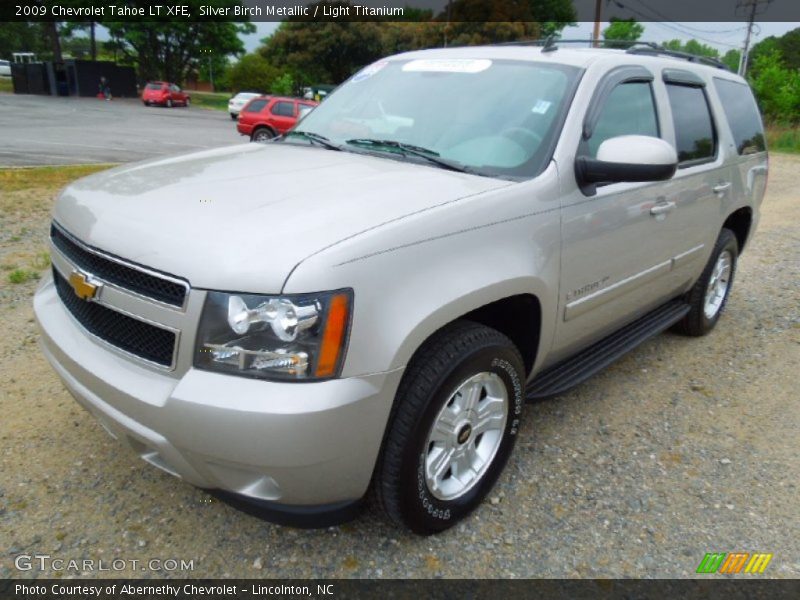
722,36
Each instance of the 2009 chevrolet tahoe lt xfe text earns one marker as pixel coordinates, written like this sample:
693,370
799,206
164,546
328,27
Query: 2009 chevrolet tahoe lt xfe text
365,303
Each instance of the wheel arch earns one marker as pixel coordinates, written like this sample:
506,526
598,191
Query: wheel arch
740,223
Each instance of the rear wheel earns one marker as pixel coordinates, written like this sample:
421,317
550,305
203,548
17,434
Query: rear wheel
457,414
262,134
233,117
710,294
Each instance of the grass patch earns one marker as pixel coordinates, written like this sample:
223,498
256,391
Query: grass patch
6,86
783,138
212,100
14,180
22,275
41,261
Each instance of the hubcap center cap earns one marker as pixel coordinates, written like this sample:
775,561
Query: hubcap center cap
464,434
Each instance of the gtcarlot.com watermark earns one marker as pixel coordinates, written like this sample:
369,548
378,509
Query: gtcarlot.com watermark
45,562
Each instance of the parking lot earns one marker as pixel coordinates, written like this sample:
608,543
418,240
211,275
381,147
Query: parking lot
685,446
41,130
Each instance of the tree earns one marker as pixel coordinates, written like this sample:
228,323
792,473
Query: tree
23,37
251,73
731,59
625,30
171,50
776,87
283,85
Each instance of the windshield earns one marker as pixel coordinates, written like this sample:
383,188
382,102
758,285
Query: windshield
495,117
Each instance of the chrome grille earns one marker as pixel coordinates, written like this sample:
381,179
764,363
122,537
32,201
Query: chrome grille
162,288
130,335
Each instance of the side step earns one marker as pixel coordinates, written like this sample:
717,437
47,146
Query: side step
578,368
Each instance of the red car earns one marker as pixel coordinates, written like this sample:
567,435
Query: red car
267,116
163,93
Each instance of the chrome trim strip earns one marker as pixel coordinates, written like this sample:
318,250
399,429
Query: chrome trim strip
177,332
130,265
684,258
595,299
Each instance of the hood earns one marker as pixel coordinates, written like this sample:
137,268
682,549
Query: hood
242,217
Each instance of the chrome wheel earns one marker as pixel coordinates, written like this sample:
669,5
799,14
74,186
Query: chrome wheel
718,284
263,135
466,435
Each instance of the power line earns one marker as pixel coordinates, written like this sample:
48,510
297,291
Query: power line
658,21
684,26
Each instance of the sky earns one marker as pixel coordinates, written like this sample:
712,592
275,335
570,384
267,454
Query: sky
722,36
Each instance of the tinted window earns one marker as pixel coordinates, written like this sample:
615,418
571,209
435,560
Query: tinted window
283,109
255,105
629,110
154,86
742,114
694,130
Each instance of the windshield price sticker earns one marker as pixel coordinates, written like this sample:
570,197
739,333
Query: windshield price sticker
455,65
369,71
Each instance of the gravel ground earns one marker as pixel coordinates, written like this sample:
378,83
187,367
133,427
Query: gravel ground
685,446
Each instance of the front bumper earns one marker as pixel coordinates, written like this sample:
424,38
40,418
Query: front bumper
284,443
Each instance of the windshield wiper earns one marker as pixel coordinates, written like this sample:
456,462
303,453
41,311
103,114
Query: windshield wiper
411,150
314,137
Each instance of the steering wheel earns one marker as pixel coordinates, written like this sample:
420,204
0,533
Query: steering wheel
523,137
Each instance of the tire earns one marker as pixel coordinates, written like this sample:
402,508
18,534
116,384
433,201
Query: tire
233,117
404,485
706,305
168,103
262,134
188,103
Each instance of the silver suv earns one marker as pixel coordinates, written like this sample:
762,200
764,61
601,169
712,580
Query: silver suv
365,304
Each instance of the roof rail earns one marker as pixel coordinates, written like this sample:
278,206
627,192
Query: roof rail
660,51
551,43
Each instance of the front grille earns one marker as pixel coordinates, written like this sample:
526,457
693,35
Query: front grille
126,333
132,279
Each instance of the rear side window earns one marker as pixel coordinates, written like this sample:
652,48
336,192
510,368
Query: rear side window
154,86
283,109
629,110
742,114
694,128
255,106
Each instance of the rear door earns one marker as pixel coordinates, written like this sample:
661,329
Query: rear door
283,115
701,182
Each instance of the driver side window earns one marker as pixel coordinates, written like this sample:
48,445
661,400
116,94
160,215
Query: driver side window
629,110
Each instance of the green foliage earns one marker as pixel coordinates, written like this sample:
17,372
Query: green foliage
172,48
23,37
783,139
22,275
623,29
731,59
777,88
251,73
283,85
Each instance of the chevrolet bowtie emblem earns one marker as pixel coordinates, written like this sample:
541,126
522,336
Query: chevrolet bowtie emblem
84,289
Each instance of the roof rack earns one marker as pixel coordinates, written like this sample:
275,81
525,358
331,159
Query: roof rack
552,42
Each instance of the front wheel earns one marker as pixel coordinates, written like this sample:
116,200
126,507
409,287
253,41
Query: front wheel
457,415
169,103
710,294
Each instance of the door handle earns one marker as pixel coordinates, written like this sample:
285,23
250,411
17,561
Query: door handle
720,189
661,208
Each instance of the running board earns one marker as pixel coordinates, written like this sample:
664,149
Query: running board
578,368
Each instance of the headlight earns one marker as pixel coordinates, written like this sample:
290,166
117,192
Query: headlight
301,337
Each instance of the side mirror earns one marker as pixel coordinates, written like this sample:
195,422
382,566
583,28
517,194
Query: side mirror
627,158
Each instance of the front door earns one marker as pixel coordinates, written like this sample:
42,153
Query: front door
616,244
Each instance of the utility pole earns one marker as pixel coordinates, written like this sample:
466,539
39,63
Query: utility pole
598,9
752,8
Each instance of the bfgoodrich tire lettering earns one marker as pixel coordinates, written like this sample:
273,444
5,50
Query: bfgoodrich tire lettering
458,354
